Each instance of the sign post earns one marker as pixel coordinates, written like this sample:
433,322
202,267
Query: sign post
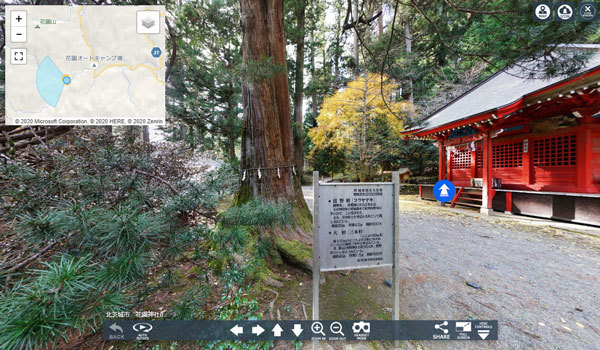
316,267
356,225
396,267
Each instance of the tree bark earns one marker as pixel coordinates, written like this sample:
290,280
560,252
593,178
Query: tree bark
145,134
267,129
130,133
380,20
313,74
355,36
182,132
231,136
30,138
408,44
363,133
299,83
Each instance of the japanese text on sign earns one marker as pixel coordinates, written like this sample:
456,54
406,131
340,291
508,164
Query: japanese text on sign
356,226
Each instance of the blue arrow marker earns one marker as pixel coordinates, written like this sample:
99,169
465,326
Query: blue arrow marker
444,191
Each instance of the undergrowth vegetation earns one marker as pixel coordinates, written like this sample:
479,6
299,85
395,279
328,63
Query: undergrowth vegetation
99,224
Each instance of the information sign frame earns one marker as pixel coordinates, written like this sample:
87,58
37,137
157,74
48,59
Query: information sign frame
316,270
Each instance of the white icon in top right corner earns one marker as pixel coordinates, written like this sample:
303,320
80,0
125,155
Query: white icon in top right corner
565,12
542,12
148,22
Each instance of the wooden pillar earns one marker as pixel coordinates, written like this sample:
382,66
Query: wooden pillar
488,192
588,149
508,209
441,160
527,178
449,161
474,163
584,157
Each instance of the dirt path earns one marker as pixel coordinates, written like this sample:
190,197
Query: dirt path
542,284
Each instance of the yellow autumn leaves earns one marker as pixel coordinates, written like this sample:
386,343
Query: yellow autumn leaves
346,116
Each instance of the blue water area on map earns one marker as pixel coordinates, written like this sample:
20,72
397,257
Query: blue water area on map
49,81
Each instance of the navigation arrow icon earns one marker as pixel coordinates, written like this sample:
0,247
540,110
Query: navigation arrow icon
258,330
115,327
237,330
444,190
277,330
297,329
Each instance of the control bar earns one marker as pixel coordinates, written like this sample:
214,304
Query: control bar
328,330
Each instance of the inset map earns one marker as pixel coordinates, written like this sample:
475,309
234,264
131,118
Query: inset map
85,65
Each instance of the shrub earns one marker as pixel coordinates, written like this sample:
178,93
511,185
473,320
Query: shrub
109,210
43,308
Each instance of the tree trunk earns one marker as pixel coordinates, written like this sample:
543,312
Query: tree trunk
145,134
267,129
182,131
231,148
337,49
379,20
355,19
408,44
313,74
231,122
130,133
362,146
336,62
299,83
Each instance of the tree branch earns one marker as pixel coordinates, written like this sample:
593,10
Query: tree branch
30,138
478,11
3,36
173,50
28,260
171,187
361,19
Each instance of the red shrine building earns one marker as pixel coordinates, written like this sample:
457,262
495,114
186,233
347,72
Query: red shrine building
524,145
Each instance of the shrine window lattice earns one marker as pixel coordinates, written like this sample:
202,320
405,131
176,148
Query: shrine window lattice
507,155
461,158
555,151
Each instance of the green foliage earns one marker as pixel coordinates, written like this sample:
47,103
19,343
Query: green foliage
390,151
111,210
329,160
40,226
62,296
294,251
119,271
189,307
256,213
237,305
205,92
125,228
455,47
225,238
261,69
168,279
